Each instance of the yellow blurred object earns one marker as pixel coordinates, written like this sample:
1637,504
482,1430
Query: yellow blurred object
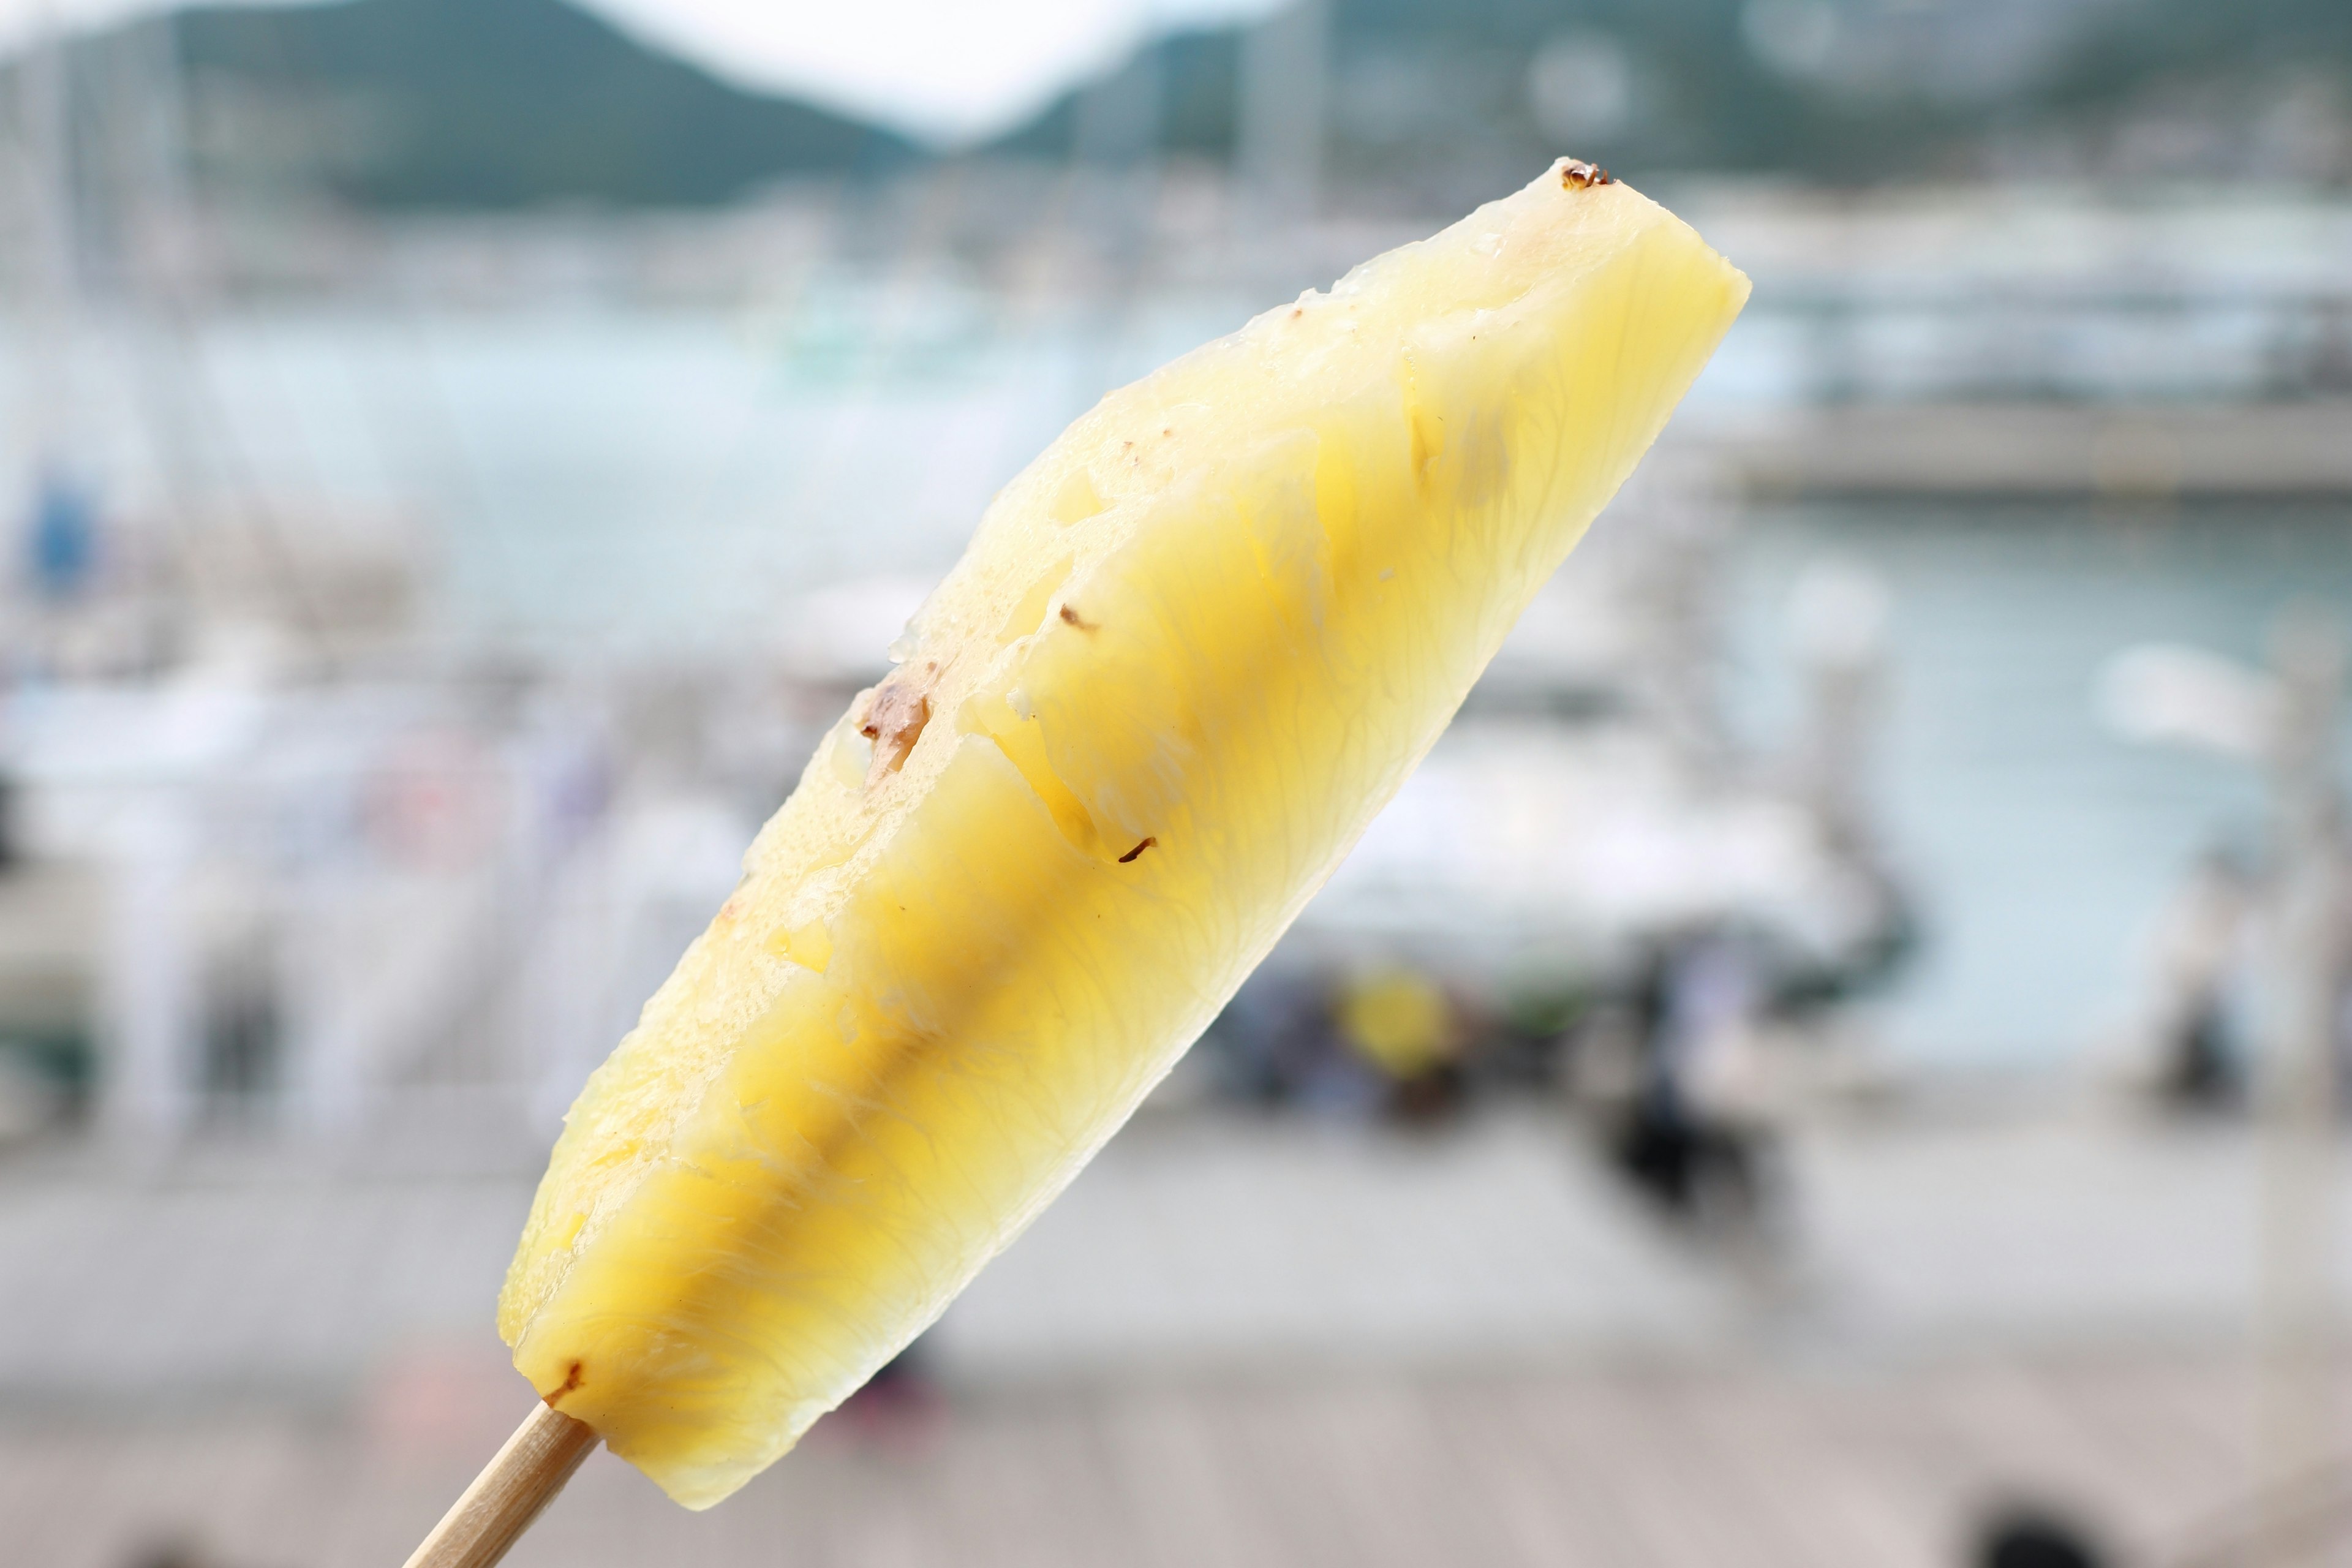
1190,652
1397,1021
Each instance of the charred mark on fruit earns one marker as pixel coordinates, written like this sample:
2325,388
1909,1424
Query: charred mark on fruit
571,1380
1139,849
1073,618
1576,174
895,717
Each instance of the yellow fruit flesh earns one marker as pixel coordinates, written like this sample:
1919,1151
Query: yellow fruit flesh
1192,650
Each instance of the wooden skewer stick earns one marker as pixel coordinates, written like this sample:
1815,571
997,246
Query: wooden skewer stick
484,1523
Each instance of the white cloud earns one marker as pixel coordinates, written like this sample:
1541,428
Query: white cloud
945,70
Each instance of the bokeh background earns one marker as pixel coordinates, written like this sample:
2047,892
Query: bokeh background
1832,1061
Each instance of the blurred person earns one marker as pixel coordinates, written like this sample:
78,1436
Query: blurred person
2196,1059
1264,1039
1690,1136
1277,1046
1402,1022
1525,1045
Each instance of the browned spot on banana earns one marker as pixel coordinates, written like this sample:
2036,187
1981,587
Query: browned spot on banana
1072,618
895,717
1137,850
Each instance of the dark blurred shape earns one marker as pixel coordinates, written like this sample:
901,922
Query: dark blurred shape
488,103
1278,1047
2202,1074
1386,1044
1698,1162
2202,1063
900,1408
169,1554
1689,1167
2026,1536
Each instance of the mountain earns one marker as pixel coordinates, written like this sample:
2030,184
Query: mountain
1460,99
2169,40
475,104
488,103
1187,82
1472,93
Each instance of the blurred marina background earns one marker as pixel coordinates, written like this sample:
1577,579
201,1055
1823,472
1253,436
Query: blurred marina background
1833,1059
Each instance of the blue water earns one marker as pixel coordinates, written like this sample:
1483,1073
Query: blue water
599,484
592,480
2040,846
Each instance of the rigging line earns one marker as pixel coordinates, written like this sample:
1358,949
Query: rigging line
159,231
297,58
186,365
860,398
430,435
178,307
40,92
731,474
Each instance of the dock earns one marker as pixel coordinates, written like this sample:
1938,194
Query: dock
1235,1341
2057,451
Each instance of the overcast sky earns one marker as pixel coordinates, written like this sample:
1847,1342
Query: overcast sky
939,68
